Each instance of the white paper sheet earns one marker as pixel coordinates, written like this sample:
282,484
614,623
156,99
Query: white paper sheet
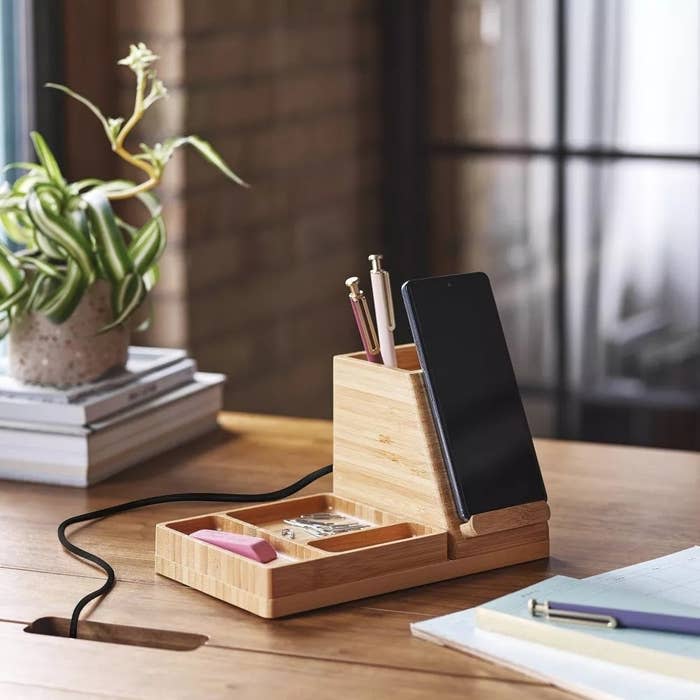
675,578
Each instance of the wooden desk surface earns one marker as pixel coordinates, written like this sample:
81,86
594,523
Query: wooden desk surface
611,506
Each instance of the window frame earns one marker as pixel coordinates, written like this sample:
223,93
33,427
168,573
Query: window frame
561,153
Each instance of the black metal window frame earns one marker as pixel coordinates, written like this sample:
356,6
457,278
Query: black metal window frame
48,49
32,55
409,150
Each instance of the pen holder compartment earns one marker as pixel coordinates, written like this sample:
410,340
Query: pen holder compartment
386,453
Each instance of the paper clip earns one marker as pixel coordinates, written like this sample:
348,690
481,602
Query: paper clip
580,618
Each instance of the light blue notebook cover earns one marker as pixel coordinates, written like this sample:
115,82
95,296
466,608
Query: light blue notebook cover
671,654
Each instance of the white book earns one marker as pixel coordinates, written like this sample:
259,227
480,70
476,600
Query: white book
80,445
675,579
141,361
98,405
69,475
111,441
78,456
178,435
16,430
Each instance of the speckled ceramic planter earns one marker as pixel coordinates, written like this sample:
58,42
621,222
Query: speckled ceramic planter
69,353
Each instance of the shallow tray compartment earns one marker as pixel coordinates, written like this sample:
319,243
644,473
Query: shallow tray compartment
361,539
288,551
270,517
302,567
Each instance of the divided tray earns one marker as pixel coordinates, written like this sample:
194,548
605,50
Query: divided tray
312,572
304,565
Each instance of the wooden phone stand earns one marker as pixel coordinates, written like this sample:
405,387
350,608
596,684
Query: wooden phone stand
388,472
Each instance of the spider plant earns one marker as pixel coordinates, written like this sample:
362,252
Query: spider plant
67,235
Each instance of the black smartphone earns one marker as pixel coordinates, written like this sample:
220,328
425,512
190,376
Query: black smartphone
484,434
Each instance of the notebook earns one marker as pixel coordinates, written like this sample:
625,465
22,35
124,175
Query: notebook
675,577
669,654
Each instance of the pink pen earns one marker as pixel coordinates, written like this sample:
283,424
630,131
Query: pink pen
360,311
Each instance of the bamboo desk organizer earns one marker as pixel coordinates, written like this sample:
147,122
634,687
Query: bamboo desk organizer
388,471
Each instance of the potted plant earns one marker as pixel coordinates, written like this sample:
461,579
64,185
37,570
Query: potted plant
70,292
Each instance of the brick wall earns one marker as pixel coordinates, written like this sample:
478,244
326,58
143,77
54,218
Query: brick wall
252,282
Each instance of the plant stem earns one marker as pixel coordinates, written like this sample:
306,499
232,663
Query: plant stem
137,113
118,147
132,191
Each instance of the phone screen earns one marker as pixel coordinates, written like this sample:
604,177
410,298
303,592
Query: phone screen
484,434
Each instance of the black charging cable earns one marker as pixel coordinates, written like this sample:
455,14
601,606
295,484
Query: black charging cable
152,501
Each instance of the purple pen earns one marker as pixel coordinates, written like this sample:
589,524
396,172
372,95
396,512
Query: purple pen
363,319
614,617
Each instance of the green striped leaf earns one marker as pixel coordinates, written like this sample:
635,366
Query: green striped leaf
9,255
39,291
101,272
4,325
13,289
47,158
205,149
59,231
15,228
23,185
80,185
60,305
83,100
20,165
48,248
11,279
148,315
148,244
150,201
109,243
12,203
78,217
129,230
41,266
23,252
151,277
14,298
127,296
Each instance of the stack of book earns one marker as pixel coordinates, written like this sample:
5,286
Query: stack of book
83,434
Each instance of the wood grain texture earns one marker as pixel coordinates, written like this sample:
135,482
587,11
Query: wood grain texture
387,469
506,519
321,572
301,568
386,451
211,672
351,633
602,517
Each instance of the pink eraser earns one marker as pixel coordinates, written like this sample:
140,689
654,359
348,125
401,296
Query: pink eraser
251,547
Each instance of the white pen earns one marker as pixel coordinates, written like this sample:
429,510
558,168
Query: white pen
383,309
